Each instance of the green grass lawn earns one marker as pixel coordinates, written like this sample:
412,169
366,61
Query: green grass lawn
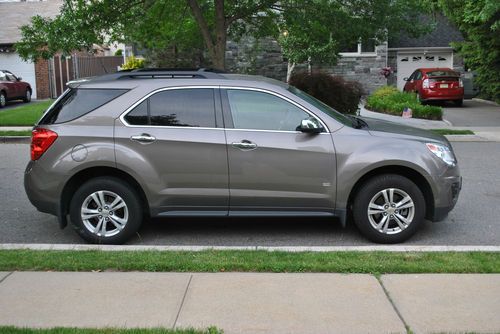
452,132
65,330
15,133
251,261
24,115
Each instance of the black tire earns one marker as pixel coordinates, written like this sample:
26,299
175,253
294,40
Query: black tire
27,96
118,187
369,190
458,103
3,99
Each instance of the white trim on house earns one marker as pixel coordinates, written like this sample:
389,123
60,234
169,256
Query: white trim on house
422,48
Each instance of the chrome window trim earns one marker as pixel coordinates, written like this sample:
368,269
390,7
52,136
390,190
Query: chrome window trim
129,109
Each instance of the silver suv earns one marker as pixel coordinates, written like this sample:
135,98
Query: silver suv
115,150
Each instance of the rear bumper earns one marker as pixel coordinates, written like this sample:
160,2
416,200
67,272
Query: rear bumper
439,94
36,194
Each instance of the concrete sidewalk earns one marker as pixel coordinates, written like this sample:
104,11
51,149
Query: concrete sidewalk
253,302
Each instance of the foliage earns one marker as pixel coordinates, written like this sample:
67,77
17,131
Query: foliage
479,22
389,100
133,63
15,133
452,131
119,52
340,94
316,29
26,114
108,330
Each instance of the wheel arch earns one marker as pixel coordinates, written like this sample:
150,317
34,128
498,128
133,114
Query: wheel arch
92,172
408,172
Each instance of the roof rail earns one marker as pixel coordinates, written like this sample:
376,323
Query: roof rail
160,73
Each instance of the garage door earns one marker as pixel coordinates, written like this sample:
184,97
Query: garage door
409,62
13,63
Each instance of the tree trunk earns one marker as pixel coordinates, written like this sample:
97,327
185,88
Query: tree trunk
289,72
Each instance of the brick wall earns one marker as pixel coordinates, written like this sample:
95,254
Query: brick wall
42,79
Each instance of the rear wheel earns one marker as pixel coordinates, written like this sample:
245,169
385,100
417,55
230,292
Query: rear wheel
106,210
3,99
389,209
27,96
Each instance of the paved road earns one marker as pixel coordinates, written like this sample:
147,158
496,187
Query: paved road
475,220
472,113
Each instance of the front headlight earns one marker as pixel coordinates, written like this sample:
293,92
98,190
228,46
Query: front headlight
443,152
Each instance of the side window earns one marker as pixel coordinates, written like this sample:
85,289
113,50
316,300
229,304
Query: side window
139,115
78,102
3,77
183,107
412,76
418,75
262,111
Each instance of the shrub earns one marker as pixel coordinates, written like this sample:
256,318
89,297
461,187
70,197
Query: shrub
389,100
133,63
340,94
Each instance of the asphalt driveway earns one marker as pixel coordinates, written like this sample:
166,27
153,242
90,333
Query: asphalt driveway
472,113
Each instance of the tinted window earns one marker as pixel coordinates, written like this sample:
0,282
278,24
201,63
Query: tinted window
442,74
262,111
78,102
183,107
139,115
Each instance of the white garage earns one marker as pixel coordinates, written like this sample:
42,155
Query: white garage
408,62
12,62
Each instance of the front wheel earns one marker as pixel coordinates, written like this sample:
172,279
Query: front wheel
106,210
3,99
389,209
27,96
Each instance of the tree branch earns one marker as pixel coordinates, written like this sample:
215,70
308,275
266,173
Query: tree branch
202,23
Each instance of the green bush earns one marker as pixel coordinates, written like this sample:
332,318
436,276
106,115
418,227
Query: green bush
340,94
389,100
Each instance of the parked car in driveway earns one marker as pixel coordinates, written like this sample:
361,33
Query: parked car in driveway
117,149
436,84
13,88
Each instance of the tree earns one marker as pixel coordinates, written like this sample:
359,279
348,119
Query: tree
337,23
479,22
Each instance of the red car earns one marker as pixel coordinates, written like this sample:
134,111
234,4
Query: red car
13,88
436,84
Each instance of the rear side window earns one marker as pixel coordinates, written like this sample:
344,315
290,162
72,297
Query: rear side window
179,107
78,102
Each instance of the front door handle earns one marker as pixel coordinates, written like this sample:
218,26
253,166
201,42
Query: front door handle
245,145
143,138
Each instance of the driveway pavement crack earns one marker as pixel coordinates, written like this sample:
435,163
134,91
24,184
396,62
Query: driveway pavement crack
408,330
3,279
182,302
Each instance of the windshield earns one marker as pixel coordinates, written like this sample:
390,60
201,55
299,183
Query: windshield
321,106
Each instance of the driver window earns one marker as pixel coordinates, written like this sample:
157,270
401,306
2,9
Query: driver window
255,110
10,77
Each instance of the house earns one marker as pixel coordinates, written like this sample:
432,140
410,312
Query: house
48,77
14,15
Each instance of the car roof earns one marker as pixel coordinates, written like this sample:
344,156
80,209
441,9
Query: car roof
173,78
430,69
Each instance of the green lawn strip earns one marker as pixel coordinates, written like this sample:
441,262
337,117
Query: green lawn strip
452,131
66,330
251,261
27,114
24,133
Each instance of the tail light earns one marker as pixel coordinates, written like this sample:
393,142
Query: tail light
425,83
460,83
41,139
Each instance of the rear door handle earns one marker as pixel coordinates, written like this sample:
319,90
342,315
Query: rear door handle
143,138
245,145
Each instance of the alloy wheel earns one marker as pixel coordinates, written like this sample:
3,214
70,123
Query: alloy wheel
104,213
391,211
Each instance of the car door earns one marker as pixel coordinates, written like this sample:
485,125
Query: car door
410,83
174,142
10,84
272,166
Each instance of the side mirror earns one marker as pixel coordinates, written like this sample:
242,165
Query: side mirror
19,78
310,125
405,79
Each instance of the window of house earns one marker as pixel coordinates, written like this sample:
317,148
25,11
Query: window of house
361,47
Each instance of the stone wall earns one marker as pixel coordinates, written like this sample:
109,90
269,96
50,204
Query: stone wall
264,57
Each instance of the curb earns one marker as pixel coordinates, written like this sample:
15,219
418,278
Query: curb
486,101
15,140
290,249
466,138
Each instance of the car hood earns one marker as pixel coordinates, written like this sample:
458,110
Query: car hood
382,128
